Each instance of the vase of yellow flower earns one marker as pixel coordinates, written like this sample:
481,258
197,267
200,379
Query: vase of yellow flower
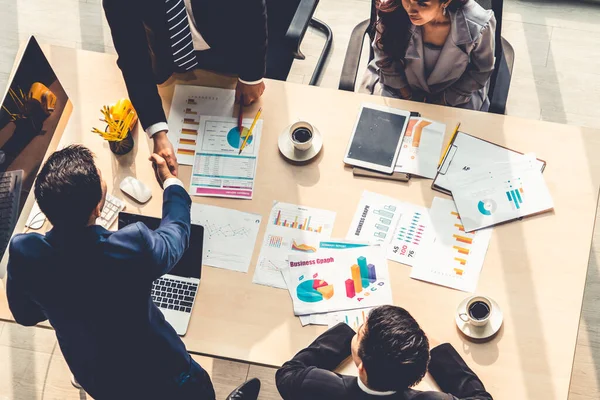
120,120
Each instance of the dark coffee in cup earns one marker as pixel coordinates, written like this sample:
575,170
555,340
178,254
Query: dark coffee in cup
479,310
301,135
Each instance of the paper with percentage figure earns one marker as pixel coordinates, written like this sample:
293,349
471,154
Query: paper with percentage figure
421,148
229,236
290,229
219,170
375,218
456,257
335,280
413,237
188,105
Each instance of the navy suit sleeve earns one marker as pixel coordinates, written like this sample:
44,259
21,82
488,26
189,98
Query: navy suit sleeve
24,309
167,244
309,372
454,376
254,51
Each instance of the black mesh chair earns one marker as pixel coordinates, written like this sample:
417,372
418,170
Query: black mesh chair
287,24
499,82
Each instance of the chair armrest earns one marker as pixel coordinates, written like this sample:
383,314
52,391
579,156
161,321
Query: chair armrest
299,24
352,60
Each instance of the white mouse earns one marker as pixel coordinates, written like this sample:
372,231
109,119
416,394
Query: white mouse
135,189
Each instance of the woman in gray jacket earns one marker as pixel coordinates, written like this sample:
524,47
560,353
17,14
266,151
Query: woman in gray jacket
434,51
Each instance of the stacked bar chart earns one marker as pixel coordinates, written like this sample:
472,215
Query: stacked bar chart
301,223
362,275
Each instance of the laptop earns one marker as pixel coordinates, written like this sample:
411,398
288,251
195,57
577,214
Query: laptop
174,293
34,110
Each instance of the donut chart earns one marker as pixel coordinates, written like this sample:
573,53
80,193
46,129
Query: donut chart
487,206
314,290
234,139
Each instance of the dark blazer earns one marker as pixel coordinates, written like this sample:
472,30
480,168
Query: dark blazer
234,29
308,375
94,286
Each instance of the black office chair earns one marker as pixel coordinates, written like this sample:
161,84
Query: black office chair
499,81
287,24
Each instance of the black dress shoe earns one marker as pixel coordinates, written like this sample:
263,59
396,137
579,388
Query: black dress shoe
246,391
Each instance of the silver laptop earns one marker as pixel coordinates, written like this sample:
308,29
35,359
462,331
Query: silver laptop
174,293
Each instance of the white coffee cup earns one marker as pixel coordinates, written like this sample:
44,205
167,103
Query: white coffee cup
478,311
301,135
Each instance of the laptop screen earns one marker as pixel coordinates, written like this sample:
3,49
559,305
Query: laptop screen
190,265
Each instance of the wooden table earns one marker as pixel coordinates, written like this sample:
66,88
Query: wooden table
534,269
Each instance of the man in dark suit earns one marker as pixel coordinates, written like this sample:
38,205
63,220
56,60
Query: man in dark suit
155,38
391,353
94,286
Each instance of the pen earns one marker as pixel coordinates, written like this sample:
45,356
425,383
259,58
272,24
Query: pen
448,145
250,130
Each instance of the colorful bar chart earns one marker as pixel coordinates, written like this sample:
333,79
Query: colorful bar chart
275,241
514,196
355,271
463,239
372,273
304,225
364,272
363,275
350,292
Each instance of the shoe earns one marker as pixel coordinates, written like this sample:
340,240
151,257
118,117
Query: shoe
74,382
246,391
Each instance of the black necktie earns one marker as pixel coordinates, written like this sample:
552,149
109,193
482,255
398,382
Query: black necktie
182,45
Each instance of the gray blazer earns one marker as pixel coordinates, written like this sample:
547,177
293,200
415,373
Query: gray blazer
460,77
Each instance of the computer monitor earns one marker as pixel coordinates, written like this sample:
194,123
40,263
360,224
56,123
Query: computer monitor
34,108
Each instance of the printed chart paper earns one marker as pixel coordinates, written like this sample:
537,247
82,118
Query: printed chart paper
413,237
353,318
219,170
421,148
188,105
229,236
375,218
335,280
456,257
290,229
501,197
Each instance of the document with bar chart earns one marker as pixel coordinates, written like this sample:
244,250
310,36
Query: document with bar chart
421,148
219,170
502,197
456,257
336,280
290,229
229,236
375,218
188,105
413,237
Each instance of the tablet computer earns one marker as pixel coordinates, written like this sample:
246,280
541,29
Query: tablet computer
377,137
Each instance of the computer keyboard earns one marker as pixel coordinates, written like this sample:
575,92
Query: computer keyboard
112,207
173,294
10,195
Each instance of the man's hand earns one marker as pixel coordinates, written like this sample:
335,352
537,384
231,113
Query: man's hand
164,148
251,93
161,168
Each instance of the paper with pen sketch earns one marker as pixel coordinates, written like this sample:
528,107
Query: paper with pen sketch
229,236
219,170
188,105
456,257
497,194
421,148
291,229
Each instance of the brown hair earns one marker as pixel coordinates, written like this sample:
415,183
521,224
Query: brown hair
393,26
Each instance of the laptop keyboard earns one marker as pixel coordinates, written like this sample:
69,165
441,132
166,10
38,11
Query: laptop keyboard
172,294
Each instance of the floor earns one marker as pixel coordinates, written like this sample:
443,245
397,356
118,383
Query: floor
556,78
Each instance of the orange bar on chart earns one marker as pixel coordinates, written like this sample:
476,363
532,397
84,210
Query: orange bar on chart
461,250
295,222
460,227
355,269
304,224
410,127
319,230
458,271
187,141
419,132
462,261
463,239
186,152
455,214
189,131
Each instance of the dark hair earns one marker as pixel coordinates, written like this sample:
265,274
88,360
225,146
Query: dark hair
394,349
394,26
68,187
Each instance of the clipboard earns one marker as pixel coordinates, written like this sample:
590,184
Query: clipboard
466,150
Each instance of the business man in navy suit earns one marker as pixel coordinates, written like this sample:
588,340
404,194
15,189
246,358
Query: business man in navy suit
94,286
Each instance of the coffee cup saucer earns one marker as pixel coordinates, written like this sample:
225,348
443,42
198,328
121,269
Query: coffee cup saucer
479,332
288,151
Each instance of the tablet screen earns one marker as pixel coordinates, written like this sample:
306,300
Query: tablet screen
376,138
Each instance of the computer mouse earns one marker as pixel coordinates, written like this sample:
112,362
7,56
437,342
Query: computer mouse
136,189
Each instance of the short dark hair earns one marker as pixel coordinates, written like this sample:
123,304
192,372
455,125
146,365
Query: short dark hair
68,187
394,349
